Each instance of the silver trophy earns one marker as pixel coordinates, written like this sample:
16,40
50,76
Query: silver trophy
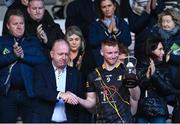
130,78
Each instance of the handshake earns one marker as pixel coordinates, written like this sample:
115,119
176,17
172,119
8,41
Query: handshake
68,97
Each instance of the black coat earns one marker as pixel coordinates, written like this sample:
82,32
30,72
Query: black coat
46,92
52,30
159,86
176,111
160,80
81,13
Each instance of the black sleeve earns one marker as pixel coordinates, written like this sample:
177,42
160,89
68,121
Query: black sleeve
72,15
90,83
162,82
41,88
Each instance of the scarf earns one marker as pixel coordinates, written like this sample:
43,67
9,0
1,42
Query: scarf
138,6
167,34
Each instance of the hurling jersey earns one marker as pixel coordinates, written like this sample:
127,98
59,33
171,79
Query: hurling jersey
112,96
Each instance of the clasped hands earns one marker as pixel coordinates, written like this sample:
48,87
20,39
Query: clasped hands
112,27
69,97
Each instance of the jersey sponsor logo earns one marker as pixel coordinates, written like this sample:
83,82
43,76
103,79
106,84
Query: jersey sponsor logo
119,78
97,79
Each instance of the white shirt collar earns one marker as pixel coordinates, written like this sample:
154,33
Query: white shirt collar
57,69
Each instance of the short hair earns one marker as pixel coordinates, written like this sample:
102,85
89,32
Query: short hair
151,44
59,40
171,12
110,42
77,31
123,49
14,12
34,0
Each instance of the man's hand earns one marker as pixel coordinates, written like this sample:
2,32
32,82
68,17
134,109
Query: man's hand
18,51
153,4
69,97
148,7
41,34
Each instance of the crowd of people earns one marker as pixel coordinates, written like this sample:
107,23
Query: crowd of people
86,75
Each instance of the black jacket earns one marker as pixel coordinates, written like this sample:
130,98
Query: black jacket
46,92
81,13
160,81
52,29
158,87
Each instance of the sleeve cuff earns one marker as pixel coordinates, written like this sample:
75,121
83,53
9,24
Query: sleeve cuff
59,95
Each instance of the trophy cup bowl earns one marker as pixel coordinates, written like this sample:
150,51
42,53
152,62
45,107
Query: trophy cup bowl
130,79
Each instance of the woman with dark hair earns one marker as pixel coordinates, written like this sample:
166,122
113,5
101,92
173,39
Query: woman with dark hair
107,26
154,82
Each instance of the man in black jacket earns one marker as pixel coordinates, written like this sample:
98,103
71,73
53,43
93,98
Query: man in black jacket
56,86
41,24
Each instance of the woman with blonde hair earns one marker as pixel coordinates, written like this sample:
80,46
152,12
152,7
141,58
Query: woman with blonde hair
77,46
80,58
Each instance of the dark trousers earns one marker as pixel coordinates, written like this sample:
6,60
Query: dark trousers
176,111
14,104
176,115
152,120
